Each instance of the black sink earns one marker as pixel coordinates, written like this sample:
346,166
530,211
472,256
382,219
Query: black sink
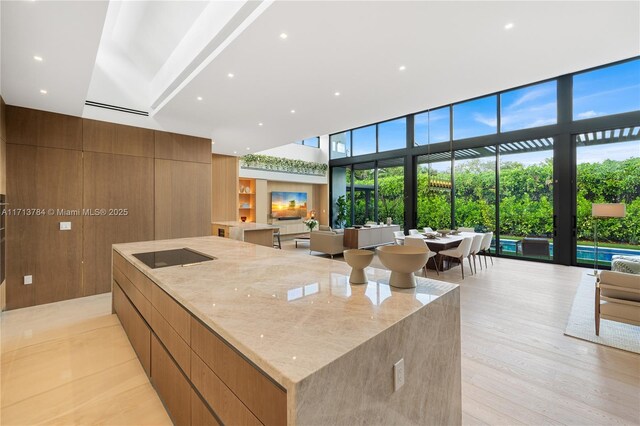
162,259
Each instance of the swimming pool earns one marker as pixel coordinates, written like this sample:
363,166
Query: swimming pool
585,253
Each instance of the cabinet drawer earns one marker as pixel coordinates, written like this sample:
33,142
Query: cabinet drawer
134,326
137,278
263,397
223,402
177,347
175,314
137,298
171,384
200,414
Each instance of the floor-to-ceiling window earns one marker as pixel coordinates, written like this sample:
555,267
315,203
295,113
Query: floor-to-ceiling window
434,191
526,198
513,156
391,191
364,207
475,188
607,171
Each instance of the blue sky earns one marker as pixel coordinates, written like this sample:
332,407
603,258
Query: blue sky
610,90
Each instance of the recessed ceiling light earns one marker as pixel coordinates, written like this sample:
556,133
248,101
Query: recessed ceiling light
402,68
199,98
337,94
230,75
293,111
508,26
38,58
44,92
235,152
248,149
260,124
283,36
213,142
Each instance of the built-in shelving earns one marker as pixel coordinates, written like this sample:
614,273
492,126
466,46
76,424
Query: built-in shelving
247,197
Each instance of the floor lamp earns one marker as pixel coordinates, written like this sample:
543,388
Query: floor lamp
599,211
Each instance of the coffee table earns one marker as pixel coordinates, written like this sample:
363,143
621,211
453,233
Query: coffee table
302,239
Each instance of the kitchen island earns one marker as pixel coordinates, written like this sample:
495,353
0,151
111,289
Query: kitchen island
249,232
264,336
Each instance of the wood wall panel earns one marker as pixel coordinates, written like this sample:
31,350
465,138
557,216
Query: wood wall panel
3,147
41,128
21,240
321,202
114,182
63,162
44,178
182,199
171,146
263,201
100,136
224,187
3,185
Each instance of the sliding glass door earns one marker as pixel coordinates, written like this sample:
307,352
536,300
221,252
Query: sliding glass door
391,191
364,180
475,188
607,171
526,199
434,191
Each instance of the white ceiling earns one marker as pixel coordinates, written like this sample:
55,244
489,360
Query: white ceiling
168,53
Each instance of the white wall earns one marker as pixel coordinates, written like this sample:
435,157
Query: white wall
293,151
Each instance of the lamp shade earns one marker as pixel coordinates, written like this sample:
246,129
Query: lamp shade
608,210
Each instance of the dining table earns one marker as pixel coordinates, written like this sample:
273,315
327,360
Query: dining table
440,243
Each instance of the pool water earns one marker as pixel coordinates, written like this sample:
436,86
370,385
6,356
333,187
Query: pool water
585,253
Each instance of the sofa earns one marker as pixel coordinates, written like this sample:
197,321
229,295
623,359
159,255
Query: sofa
328,242
628,264
617,298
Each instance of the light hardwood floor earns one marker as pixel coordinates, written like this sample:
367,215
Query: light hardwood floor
71,363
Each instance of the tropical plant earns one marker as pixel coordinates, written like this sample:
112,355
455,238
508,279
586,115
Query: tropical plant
341,211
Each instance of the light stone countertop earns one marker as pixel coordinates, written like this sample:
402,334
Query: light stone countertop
289,313
247,226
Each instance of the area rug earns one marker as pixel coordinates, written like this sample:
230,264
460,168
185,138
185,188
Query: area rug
581,322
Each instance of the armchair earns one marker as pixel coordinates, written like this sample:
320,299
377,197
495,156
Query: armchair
327,242
617,298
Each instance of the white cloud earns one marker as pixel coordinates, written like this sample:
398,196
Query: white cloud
487,121
588,114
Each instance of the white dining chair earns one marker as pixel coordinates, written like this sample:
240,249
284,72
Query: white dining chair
414,232
460,253
427,230
399,237
461,229
476,244
418,241
485,247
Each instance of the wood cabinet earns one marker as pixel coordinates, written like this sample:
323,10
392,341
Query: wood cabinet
172,386
200,413
134,326
201,378
256,390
